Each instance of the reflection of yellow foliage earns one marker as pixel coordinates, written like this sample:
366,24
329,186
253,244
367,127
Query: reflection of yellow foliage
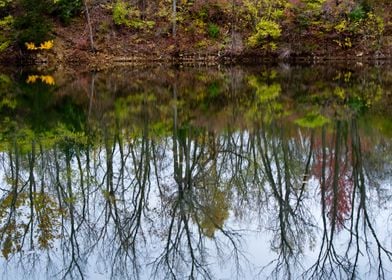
215,212
340,92
32,79
47,79
47,45
48,223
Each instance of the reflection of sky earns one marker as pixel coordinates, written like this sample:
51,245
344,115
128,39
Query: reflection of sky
256,236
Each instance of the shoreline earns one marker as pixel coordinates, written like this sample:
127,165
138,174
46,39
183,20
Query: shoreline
103,60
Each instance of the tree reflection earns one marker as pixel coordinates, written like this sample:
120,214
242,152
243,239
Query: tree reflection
132,183
344,199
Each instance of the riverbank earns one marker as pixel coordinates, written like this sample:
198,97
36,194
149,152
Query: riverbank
195,42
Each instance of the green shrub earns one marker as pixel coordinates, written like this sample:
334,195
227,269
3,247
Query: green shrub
66,9
5,3
34,25
124,14
120,13
266,30
6,25
213,30
357,14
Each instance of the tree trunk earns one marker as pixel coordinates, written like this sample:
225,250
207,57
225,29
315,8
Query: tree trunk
90,29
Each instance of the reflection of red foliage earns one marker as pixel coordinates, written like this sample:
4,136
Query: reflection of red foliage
338,192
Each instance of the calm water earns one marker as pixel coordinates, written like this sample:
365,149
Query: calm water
268,172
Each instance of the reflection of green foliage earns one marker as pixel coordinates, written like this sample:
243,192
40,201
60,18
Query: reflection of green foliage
40,108
161,129
7,99
213,89
382,123
33,113
264,91
267,92
312,120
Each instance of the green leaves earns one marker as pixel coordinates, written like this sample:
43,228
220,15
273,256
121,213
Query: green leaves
266,30
124,14
312,120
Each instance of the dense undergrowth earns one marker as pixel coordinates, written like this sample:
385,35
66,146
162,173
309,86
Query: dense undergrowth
235,26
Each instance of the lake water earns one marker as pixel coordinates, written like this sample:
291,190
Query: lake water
281,172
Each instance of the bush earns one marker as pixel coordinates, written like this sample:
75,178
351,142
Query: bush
6,24
120,13
357,14
213,30
66,9
123,14
33,25
266,30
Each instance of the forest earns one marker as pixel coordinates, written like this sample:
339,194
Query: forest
79,31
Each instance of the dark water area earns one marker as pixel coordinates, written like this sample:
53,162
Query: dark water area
281,172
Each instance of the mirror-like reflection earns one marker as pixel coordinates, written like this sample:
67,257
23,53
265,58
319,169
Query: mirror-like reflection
273,172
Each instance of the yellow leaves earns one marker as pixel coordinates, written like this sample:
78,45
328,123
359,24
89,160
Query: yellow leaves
30,46
32,79
47,79
342,26
340,92
47,45
346,43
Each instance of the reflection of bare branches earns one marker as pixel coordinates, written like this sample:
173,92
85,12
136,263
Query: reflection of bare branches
293,221
344,263
134,194
185,249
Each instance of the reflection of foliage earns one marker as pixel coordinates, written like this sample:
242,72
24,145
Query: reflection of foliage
214,212
267,104
48,217
312,120
152,170
15,229
47,79
336,182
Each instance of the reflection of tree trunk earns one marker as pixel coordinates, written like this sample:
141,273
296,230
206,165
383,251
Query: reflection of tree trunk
91,95
177,166
32,192
359,182
335,182
71,198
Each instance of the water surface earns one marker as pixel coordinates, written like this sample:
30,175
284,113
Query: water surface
252,173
